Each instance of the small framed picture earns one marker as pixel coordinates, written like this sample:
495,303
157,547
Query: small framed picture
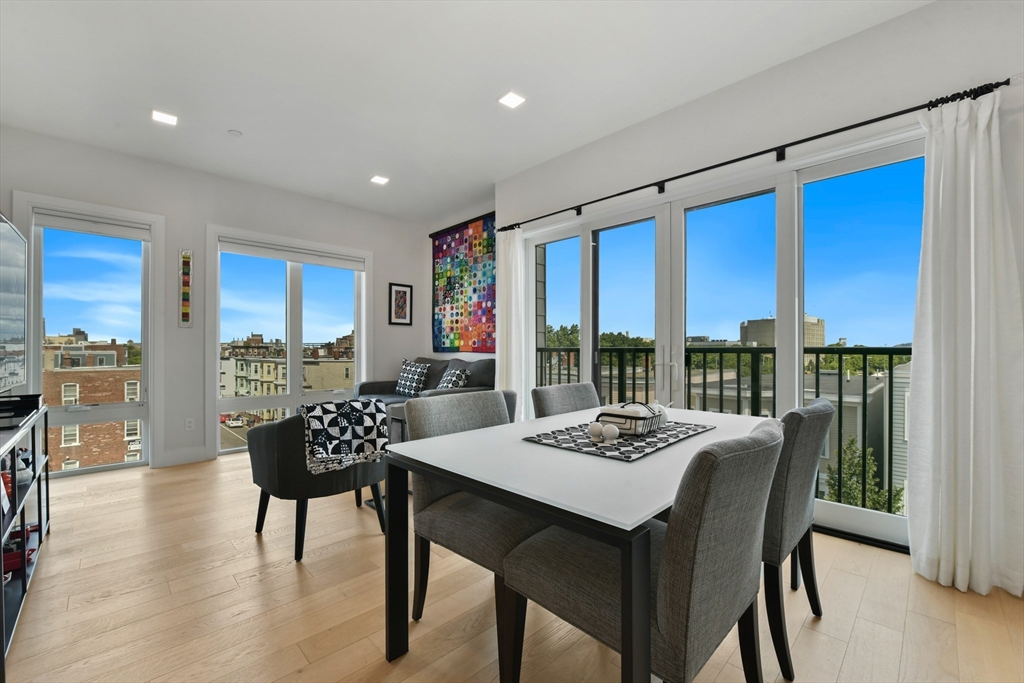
399,304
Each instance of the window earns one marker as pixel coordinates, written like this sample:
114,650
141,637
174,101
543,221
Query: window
328,327
558,311
69,435
133,456
253,294
92,292
288,321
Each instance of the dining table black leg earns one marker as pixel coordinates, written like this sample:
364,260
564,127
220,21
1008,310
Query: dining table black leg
396,565
635,557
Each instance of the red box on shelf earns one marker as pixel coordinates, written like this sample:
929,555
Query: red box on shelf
12,560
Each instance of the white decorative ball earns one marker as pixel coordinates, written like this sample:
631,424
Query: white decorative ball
596,430
611,432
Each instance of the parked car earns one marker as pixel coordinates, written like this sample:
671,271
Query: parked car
223,417
234,422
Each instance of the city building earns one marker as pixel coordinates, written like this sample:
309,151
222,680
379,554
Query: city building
79,372
762,332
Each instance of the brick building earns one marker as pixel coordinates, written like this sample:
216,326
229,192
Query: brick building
92,372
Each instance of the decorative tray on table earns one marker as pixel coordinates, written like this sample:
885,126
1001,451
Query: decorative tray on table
649,436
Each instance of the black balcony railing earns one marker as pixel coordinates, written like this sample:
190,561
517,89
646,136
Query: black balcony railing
745,374
865,377
860,381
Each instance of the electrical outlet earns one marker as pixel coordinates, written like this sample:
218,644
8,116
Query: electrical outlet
190,424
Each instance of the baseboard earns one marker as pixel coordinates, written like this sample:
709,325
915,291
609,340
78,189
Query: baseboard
866,540
181,456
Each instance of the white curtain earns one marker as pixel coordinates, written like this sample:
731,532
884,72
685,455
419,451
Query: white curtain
966,413
510,312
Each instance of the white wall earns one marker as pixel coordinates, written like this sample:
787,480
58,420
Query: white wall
930,52
189,200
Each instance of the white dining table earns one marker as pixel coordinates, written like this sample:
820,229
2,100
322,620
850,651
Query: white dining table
603,498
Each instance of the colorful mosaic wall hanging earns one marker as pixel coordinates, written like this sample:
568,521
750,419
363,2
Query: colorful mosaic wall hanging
464,287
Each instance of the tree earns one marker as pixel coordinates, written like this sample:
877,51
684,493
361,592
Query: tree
877,498
133,354
564,337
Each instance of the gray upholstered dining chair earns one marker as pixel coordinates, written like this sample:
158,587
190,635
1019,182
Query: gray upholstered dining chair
477,529
564,398
277,453
787,526
705,566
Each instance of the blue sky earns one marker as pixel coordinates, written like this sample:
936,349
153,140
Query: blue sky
94,283
252,299
862,244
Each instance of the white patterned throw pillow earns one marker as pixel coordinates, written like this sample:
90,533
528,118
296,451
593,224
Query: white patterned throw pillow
412,378
454,378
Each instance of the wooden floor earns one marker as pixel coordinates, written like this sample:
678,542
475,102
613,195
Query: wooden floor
157,575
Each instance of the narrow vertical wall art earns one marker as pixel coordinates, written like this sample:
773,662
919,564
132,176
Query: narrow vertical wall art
185,290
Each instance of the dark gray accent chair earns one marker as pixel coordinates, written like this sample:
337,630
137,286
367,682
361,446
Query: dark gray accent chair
787,527
705,566
277,453
477,529
564,398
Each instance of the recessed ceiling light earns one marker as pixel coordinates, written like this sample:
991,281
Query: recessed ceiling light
512,100
235,133
165,118
379,179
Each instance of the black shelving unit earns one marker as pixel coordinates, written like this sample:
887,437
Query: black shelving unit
23,425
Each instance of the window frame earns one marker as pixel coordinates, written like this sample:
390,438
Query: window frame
35,212
76,441
221,238
64,394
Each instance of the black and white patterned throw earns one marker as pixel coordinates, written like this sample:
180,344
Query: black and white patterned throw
342,433
454,378
626,448
411,378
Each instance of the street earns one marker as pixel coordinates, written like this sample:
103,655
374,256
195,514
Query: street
232,437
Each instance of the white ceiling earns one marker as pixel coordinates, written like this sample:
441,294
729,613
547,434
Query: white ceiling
328,94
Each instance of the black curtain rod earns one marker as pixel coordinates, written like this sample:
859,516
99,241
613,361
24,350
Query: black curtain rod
779,150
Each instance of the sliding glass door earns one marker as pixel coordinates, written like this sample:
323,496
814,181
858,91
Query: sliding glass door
862,222
753,300
603,308
730,304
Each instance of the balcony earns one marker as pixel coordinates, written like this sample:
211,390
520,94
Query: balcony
865,461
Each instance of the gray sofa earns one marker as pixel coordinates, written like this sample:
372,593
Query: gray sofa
481,378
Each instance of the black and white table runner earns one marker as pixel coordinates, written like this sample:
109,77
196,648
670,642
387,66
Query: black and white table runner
626,448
